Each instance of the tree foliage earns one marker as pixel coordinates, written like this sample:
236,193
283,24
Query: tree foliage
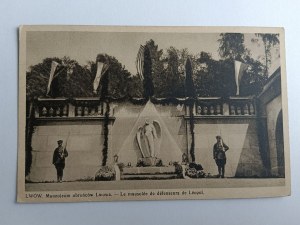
78,81
215,77
254,77
269,40
158,77
232,46
174,79
117,77
189,83
165,72
69,83
190,92
147,82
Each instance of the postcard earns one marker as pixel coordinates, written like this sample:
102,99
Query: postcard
113,113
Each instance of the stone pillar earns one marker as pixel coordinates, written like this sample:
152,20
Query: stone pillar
226,109
71,110
194,109
36,112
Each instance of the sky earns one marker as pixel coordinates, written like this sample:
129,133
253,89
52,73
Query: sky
85,46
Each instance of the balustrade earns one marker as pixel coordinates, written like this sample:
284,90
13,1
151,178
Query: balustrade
52,108
92,107
88,108
242,107
78,107
209,106
226,107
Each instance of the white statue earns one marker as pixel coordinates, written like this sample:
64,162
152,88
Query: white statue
148,138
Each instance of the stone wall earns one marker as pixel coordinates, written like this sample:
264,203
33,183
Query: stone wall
273,111
86,137
84,146
270,108
240,134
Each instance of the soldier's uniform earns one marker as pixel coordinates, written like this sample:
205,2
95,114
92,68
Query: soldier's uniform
58,160
220,156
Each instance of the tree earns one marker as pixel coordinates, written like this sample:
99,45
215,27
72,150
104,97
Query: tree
190,92
269,40
173,77
189,83
232,46
204,83
73,80
37,78
158,75
167,71
135,89
215,77
175,85
254,77
118,79
147,82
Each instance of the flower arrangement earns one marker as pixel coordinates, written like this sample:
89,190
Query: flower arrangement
178,169
105,173
195,171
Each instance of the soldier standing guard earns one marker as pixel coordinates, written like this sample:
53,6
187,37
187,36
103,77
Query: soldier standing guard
59,155
219,155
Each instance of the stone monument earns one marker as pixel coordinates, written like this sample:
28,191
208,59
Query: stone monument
148,138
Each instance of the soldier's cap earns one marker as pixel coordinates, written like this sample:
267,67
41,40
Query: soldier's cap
60,141
218,137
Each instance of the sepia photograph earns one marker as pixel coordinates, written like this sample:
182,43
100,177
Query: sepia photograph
112,113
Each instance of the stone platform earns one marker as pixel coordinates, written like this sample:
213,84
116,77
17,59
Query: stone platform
145,173
149,162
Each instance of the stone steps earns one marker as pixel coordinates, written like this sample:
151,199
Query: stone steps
148,176
149,173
